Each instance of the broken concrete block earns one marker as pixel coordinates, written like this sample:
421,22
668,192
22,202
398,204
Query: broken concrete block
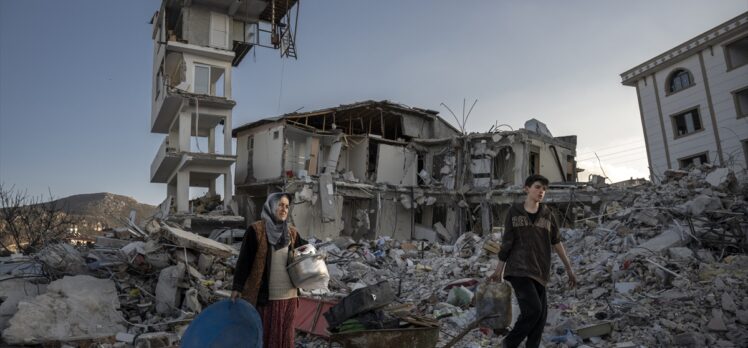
63,258
626,287
742,316
125,337
728,304
690,339
597,292
424,233
190,240
442,231
646,217
681,254
167,291
717,177
191,301
667,239
104,242
717,323
13,291
698,205
81,307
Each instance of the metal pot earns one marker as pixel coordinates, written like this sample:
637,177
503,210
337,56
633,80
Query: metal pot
309,272
307,249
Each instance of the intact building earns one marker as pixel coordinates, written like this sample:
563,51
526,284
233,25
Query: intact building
693,100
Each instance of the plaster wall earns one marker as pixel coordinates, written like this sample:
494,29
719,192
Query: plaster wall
722,83
307,217
396,165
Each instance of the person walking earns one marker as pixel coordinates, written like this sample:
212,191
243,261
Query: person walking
530,232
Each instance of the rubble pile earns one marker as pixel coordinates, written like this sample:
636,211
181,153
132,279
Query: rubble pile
136,287
657,265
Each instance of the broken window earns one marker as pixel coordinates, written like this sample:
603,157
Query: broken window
570,169
741,102
693,161
736,53
503,166
209,80
534,161
686,123
679,79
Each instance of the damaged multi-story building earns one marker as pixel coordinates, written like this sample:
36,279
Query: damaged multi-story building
377,168
196,43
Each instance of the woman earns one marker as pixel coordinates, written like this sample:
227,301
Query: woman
261,276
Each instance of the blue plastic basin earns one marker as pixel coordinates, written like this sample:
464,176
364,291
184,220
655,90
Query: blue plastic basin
225,324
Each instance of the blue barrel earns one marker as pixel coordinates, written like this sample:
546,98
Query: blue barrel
225,324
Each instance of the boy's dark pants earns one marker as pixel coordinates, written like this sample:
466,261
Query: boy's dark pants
533,305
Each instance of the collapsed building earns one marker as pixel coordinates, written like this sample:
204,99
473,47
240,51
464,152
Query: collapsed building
377,168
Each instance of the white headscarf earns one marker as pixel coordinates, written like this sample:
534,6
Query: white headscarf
276,231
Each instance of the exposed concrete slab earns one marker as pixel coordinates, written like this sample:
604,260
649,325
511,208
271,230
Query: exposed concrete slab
189,240
667,239
63,258
77,307
717,176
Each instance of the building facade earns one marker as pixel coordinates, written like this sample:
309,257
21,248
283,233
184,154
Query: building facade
378,168
693,100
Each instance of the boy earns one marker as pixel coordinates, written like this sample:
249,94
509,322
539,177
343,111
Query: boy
530,232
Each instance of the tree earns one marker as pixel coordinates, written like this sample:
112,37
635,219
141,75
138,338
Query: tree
28,223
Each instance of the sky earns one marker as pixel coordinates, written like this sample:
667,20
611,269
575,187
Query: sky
75,77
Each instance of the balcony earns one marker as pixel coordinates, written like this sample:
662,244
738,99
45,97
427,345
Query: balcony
204,167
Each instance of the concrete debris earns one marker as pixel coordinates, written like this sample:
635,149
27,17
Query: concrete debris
73,307
189,240
657,265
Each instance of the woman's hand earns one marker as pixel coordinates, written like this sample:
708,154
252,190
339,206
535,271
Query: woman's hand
234,295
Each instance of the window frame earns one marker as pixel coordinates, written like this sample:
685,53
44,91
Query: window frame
740,112
691,157
725,51
672,75
696,108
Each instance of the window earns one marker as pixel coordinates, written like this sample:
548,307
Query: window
741,102
276,134
736,53
209,80
693,161
745,150
679,79
686,123
219,30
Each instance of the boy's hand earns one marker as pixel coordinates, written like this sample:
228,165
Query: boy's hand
572,278
234,295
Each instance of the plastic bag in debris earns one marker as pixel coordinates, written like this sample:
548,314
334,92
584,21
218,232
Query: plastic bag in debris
459,296
495,298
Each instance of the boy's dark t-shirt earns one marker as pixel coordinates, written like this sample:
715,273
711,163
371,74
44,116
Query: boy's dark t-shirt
526,243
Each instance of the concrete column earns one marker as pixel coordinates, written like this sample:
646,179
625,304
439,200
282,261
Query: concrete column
212,188
227,183
183,191
185,125
227,135
212,140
